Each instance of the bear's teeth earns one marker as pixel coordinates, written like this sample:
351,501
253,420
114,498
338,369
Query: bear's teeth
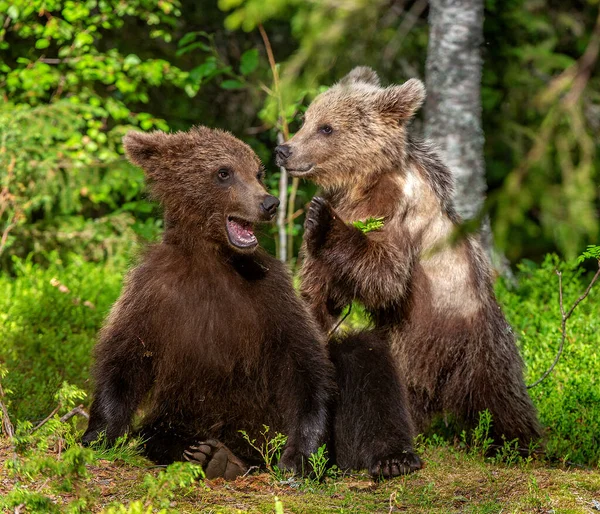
241,232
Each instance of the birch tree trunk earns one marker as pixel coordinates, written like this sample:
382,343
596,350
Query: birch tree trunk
453,108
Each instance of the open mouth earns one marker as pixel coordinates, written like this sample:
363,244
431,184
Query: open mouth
241,233
299,172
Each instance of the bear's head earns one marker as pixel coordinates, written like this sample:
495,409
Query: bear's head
209,183
354,128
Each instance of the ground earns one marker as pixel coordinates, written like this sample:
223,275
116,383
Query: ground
452,481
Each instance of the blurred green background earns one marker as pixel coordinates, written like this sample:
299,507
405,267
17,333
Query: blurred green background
76,76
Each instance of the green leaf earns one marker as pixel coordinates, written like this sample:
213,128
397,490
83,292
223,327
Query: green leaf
40,44
188,38
231,84
249,61
204,70
131,60
369,225
186,49
13,12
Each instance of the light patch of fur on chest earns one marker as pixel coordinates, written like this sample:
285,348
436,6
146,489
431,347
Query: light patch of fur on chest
445,265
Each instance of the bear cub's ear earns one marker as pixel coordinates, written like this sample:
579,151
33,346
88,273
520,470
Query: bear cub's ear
401,102
141,147
360,74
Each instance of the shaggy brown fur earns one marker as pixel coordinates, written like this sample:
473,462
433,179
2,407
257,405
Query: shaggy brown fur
432,297
209,336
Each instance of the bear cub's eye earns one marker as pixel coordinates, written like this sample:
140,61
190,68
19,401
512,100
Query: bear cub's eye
260,176
223,174
325,129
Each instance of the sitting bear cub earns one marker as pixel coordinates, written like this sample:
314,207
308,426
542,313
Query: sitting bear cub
209,336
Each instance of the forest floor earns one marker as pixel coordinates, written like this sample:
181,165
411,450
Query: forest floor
452,481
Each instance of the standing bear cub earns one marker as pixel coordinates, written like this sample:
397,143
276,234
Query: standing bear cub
210,338
430,295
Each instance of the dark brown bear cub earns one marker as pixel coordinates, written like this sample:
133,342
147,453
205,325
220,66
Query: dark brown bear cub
208,336
430,296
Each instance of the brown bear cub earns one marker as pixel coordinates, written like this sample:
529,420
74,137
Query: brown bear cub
430,296
209,336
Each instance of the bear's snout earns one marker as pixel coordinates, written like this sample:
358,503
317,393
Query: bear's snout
269,205
282,153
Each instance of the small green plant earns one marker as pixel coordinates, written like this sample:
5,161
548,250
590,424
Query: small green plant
269,449
318,463
179,478
591,252
125,449
369,225
478,441
510,454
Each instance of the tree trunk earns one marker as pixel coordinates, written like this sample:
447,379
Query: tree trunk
453,108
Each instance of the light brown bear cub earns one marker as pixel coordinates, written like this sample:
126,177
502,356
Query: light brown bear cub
430,296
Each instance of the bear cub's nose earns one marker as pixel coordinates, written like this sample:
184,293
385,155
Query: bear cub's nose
282,152
270,204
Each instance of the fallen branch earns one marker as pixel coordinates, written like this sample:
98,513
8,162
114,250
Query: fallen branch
565,317
74,412
45,420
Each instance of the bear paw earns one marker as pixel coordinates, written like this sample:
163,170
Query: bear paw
216,460
396,465
319,220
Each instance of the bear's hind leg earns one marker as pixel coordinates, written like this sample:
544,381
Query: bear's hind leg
373,428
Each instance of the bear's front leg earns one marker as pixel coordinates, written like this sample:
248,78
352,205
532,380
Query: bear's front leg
373,268
304,386
321,220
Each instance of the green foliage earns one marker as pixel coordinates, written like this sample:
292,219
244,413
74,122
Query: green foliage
179,479
592,252
49,319
568,400
125,449
318,463
64,182
268,447
478,441
541,135
369,225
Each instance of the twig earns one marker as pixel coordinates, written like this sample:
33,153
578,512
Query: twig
286,135
290,214
250,470
283,186
392,501
565,316
9,430
46,419
73,412
334,329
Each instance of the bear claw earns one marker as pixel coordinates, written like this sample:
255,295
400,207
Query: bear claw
318,222
216,460
394,466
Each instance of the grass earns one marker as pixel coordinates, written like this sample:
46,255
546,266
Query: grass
452,481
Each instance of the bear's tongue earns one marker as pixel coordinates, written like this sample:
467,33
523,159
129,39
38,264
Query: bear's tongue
241,233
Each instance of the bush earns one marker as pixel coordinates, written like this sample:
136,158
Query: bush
568,400
49,318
